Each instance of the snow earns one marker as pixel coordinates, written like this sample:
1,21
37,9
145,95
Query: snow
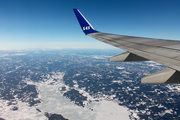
53,101
109,110
120,68
23,113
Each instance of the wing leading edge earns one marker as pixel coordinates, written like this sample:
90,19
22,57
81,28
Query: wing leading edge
166,52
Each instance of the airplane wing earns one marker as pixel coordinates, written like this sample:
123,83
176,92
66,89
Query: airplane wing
165,52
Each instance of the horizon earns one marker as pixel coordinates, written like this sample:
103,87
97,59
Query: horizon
46,49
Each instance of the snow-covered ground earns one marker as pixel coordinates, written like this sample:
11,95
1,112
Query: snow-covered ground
53,101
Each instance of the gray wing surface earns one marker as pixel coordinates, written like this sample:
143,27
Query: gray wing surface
165,52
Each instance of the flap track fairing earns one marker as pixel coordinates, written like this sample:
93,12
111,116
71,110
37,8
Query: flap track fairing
127,57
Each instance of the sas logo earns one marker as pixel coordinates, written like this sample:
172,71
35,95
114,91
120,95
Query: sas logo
86,28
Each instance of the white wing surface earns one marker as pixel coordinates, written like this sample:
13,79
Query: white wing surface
165,52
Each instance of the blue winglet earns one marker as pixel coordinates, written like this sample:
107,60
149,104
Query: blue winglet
85,25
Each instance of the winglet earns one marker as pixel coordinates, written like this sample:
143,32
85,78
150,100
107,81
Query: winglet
85,25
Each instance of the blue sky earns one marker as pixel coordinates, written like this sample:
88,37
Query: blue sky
26,24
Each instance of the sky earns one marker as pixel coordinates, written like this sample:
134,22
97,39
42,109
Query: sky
51,24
